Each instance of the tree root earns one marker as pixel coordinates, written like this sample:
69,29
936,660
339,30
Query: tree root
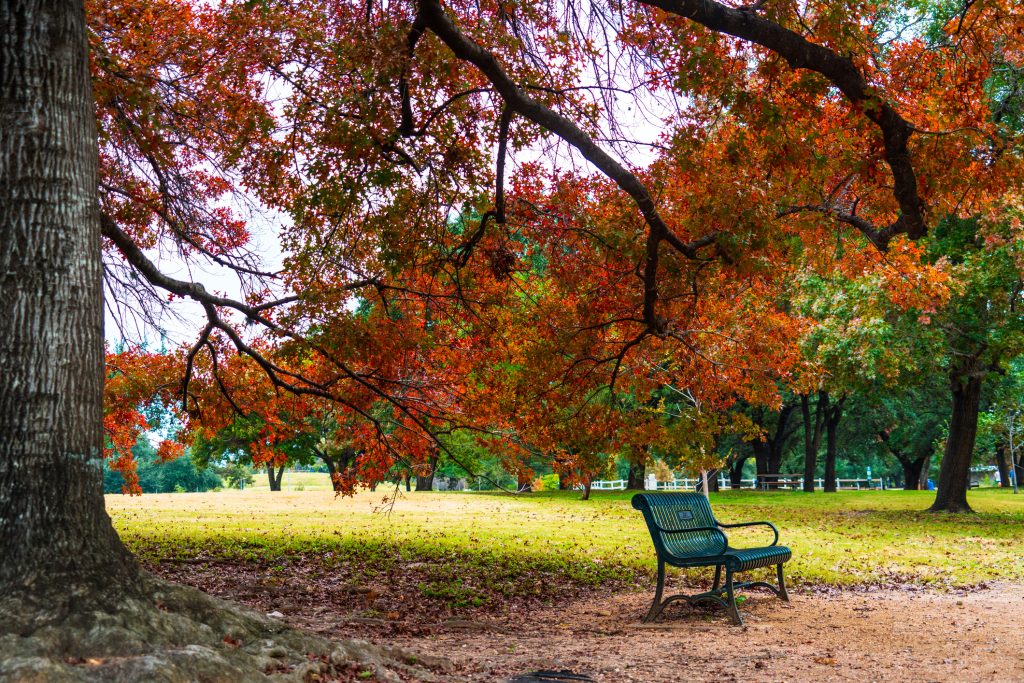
176,634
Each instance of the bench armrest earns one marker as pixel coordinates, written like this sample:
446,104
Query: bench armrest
767,524
717,530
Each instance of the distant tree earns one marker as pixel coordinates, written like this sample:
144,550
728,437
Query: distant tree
862,337
983,331
157,476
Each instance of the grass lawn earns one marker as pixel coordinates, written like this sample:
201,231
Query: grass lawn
848,538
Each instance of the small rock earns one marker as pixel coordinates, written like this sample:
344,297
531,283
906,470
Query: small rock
275,614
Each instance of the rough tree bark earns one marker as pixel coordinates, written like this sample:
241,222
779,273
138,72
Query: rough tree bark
954,471
55,537
74,603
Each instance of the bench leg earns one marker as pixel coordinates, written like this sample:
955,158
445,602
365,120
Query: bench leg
718,577
656,605
782,584
734,612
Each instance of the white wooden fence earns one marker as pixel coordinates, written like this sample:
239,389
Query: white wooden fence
772,481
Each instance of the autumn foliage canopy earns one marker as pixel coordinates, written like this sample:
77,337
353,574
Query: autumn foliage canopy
529,222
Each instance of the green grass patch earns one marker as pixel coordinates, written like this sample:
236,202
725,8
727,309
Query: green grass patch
519,544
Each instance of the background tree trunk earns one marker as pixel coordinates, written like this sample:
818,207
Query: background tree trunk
736,472
768,453
635,478
812,435
912,473
586,488
274,476
56,540
832,417
954,471
762,455
425,482
332,470
926,467
1003,463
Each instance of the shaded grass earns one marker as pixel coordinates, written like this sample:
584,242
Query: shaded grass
516,545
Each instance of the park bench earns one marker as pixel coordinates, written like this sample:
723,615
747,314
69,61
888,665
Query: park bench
686,534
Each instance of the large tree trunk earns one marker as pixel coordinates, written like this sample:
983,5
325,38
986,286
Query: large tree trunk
833,416
56,541
274,476
954,472
812,435
74,604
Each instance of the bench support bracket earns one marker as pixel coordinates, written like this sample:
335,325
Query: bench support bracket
714,595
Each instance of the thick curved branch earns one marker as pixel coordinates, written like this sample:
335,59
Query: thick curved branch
517,100
800,53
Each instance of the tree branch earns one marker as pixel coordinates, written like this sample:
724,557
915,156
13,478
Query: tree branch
841,72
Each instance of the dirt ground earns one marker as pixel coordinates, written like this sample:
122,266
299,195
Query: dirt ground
840,636
824,635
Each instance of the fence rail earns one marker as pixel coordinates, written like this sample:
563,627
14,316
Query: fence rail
764,482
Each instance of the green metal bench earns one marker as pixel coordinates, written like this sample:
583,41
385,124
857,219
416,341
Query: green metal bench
686,534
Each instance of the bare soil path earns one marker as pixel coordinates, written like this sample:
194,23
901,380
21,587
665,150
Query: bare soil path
863,635
841,636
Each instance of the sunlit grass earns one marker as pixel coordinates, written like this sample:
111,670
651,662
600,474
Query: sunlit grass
878,537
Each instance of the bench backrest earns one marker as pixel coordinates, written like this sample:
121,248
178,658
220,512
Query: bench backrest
679,511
